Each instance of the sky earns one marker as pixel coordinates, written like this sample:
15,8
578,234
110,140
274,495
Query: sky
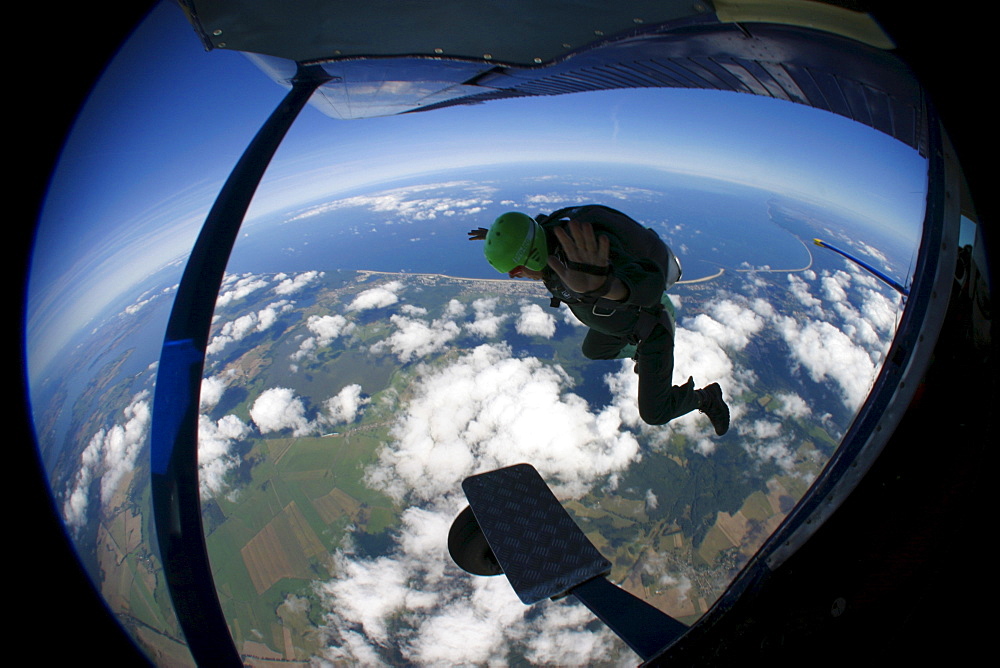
167,121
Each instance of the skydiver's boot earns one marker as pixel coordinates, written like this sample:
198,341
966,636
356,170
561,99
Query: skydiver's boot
714,407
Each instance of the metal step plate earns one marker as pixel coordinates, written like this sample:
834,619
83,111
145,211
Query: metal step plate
540,548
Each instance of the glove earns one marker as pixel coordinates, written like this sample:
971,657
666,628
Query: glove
478,234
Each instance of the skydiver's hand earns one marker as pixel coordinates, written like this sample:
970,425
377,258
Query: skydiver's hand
478,234
583,247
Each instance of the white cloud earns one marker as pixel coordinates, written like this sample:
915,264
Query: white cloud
533,321
792,405
243,326
240,288
110,456
410,309
487,323
454,309
767,441
122,444
416,600
346,405
550,199
408,205
212,389
731,327
489,409
279,408
77,501
834,287
139,304
378,297
882,312
560,637
289,286
827,353
415,338
215,459
268,315
800,290
624,386
326,328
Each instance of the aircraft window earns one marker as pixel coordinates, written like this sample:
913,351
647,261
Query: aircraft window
364,358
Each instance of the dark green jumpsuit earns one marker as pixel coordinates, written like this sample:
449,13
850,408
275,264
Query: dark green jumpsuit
613,328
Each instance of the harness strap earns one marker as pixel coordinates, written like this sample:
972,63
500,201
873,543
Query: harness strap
592,269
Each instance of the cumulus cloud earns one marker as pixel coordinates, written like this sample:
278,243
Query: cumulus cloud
651,500
448,617
415,338
325,329
834,286
378,297
289,286
882,312
489,409
212,389
279,408
554,200
486,323
827,353
346,405
237,287
800,290
533,321
791,405
215,456
410,309
768,441
109,456
243,326
328,327
484,410
729,324
268,315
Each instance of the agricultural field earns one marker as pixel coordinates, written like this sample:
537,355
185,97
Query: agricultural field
275,539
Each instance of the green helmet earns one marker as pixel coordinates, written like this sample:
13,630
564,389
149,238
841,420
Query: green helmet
515,239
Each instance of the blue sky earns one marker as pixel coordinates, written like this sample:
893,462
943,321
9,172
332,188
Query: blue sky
168,120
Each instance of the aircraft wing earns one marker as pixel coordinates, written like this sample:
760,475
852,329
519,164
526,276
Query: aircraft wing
386,57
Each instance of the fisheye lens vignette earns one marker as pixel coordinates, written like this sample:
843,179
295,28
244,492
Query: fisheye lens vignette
397,338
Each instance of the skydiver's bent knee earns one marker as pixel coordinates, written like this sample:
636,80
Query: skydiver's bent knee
659,406
653,417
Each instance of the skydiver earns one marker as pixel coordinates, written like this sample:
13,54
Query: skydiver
612,273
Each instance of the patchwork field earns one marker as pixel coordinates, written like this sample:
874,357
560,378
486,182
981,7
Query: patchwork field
272,541
282,549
